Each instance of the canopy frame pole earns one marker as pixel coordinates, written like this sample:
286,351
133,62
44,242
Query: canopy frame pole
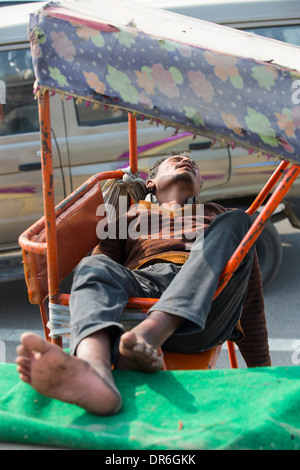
48,197
268,187
258,225
132,143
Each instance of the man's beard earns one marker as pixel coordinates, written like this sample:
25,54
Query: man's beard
185,177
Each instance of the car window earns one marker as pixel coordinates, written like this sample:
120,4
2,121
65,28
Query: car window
18,109
289,33
88,115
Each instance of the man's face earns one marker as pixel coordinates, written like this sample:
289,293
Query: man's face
178,169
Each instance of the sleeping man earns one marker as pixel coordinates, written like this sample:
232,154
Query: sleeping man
179,263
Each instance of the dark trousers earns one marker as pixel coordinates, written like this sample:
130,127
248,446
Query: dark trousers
101,289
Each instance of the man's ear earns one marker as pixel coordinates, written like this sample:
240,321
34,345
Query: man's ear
150,185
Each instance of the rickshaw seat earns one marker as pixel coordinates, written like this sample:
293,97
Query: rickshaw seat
76,236
76,222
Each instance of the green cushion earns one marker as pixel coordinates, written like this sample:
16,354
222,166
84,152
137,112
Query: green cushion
215,409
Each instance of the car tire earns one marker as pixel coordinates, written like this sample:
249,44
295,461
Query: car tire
269,251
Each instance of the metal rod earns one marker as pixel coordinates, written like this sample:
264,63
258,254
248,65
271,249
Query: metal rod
268,186
132,143
258,226
232,355
44,318
48,194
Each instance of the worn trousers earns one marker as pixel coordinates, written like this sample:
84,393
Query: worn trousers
101,288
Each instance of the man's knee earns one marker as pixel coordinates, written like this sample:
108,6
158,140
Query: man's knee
239,216
234,223
237,220
92,266
94,261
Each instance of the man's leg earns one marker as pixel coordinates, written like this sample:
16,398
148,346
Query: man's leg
190,294
99,295
100,291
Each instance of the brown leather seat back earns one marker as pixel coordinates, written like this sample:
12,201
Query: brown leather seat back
76,237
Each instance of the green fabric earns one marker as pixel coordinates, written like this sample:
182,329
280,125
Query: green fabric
218,409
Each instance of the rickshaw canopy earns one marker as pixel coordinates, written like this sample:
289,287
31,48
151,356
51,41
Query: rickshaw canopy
176,71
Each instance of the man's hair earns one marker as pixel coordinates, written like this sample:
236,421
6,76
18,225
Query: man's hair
154,168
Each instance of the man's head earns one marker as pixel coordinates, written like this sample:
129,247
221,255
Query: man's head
178,169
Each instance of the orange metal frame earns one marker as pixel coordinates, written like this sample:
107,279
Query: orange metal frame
285,171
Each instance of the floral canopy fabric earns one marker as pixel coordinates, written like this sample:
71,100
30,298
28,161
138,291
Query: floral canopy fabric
177,71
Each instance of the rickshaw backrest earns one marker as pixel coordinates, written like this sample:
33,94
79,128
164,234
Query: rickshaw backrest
76,237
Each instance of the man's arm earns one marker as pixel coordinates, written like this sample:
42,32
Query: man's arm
254,347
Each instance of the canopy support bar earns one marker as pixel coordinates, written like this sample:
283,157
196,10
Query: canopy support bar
257,227
268,187
132,143
48,194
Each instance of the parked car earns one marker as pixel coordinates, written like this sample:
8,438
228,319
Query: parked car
86,141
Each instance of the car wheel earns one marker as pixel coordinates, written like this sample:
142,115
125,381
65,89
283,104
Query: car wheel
269,251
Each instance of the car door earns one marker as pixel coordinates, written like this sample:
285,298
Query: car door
21,201
98,141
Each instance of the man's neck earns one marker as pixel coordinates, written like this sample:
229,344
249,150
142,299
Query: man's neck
173,199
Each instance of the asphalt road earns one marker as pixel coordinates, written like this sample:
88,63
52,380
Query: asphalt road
282,304
282,300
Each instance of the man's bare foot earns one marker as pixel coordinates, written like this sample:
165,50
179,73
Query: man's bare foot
137,354
56,374
139,348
